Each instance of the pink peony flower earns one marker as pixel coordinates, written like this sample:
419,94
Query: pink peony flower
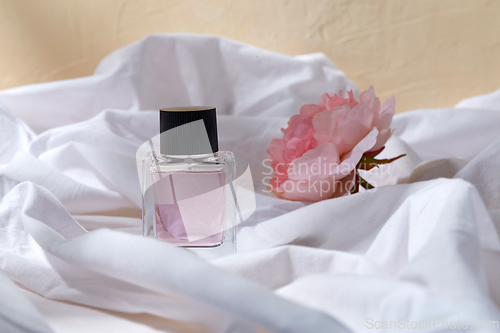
317,157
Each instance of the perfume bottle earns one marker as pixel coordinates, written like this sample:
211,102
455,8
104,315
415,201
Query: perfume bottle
188,186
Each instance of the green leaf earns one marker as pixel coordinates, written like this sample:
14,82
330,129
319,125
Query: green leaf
367,163
365,184
365,166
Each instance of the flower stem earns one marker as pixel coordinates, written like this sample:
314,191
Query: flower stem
355,188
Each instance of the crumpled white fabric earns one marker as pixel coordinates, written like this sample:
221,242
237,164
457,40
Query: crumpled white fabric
425,246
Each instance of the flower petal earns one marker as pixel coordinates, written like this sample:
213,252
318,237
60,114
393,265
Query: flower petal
352,101
330,102
368,97
326,124
354,126
302,190
310,110
315,163
349,161
276,150
382,138
386,113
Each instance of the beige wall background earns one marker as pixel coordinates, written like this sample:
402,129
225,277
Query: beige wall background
427,53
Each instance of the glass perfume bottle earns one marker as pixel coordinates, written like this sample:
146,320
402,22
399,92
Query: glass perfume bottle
188,186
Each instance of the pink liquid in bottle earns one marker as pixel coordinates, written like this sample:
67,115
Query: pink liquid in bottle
189,207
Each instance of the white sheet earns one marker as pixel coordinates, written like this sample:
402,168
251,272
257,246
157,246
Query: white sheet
418,251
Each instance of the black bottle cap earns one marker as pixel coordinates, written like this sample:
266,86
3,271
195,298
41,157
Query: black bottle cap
179,138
